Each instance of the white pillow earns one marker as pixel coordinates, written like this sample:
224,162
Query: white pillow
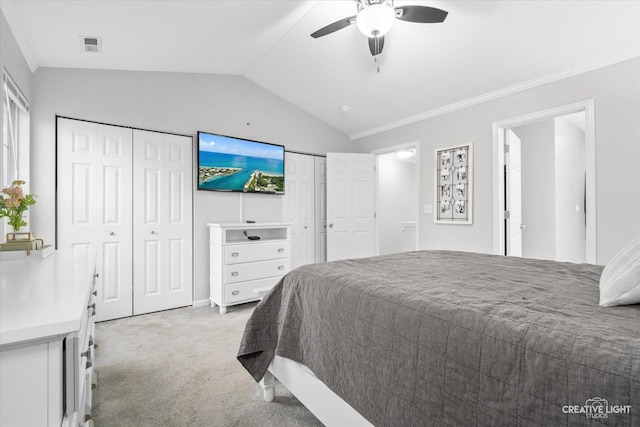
620,280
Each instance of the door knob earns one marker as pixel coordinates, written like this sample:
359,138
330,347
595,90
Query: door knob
112,234
330,225
523,226
153,232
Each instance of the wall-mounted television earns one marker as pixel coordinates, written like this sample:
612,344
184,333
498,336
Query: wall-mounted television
234,164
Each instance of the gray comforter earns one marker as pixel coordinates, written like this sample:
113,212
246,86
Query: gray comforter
453,338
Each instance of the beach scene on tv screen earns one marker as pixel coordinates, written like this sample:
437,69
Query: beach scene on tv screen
231,164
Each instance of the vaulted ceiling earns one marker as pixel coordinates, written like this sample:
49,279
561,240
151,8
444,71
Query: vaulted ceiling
483,49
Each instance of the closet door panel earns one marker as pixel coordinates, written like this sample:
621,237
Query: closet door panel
178,226
94,173
321,208
114,176
162,221
298,207
148,230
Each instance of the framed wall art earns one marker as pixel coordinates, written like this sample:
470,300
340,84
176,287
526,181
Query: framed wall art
454,184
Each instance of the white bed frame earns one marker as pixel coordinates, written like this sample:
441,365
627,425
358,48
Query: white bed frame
330,409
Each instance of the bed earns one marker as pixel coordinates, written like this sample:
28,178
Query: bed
451,338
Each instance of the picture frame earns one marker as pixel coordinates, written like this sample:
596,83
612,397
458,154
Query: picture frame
454,184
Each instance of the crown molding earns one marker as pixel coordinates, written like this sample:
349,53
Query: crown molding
560,75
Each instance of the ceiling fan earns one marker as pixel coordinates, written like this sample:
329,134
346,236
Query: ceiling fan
375,17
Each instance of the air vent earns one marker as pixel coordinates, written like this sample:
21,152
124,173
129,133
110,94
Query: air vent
91,44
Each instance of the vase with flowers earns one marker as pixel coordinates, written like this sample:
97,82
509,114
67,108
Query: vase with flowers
13,204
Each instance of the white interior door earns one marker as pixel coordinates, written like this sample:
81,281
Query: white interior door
298,207
513,162
350,205
320,184
94,173
162,221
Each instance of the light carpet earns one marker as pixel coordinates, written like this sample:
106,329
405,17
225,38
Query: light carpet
179,368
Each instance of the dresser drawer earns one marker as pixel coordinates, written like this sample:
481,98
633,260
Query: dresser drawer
247,291
255,270
250,252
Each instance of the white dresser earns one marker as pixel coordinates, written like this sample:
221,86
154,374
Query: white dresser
47,312
243,270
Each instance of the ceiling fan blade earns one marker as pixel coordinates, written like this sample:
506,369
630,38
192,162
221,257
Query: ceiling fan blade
338,25
375,45
421,14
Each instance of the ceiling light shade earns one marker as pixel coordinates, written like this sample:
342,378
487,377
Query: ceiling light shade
375,20
405,154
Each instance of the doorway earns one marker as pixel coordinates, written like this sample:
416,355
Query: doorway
397,199
355,202
544,199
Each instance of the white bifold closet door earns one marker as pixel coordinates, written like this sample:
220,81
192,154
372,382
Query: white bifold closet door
321,208
298,207
128,194
94,205
162,235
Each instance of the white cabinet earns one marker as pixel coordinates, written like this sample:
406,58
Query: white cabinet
47,314
128,194
244,270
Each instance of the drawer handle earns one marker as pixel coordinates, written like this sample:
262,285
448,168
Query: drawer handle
89,360
280,250
234,273
281,267
87,354
235,254
97,275
92,307
235,292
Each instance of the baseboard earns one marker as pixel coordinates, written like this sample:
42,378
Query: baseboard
201,303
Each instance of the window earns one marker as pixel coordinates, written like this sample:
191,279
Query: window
14,153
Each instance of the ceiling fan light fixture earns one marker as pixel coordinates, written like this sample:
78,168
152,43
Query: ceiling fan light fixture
375,20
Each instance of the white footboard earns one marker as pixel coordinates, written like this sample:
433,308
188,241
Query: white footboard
330,409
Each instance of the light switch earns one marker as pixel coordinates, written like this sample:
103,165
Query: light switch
428,209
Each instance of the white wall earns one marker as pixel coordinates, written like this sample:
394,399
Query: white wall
616,93
12,60
538,189
397,190
570,178
179,103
